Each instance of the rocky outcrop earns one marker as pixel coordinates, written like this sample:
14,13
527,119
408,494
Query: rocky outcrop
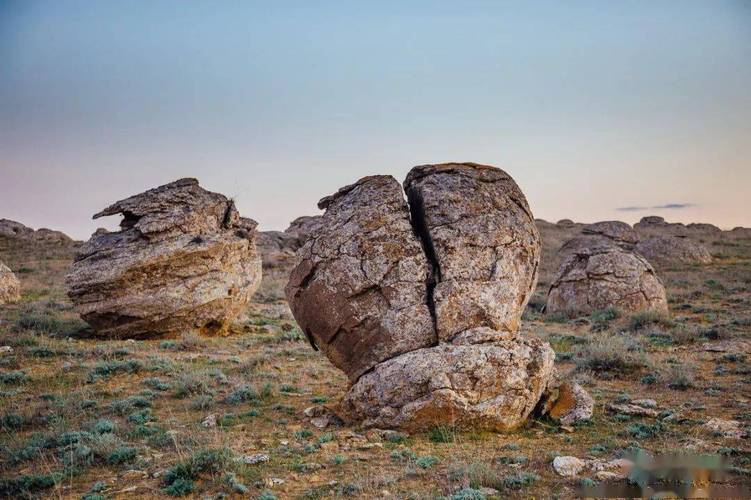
420,302
618,232
670,250
16,230
303,227
598,274
10,287
183,259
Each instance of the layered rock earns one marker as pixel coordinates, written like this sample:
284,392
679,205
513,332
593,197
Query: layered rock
598,274
420,304
10,287
183,259
670,250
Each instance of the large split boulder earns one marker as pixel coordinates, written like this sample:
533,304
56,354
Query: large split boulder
598,274
671,250
420,302
10,287
183,259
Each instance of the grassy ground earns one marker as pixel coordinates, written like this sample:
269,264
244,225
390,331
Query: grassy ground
107,419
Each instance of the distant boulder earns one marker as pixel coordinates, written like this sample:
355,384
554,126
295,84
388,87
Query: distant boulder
16,230
619,232
565,223
183,259
598,274
669,250
303,227
10,287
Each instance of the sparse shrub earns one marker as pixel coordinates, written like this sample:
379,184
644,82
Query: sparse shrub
202,402
641,320
617,353
123,406
520,480
140,417
644,431
442,434
103,426
289,389
106,369
468,494
13,377
649,379
679,377
43,322
303,434
231,479
41,352
267,495
189,383
601,318
13,421
121,455
427,461
241,395
178,480
733,357
28,485
156,384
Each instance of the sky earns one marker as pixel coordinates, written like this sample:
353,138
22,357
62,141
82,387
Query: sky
599,110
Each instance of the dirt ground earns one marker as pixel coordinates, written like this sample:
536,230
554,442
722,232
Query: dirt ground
224,417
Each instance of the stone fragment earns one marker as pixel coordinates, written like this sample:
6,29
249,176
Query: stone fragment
598,274
568,466
726,428
567,402
633,410
10,287
183,260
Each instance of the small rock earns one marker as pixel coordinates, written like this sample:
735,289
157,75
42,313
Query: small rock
256,458
632,409
209,421
568,466
489,492
274,481
727,428
6,349
644,403
606,475
320,422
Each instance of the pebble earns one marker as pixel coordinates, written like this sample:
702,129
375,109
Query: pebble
6,349
256,458
209,421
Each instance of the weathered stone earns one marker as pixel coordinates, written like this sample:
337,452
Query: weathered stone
481,239
493,385
566,401
597,274
633,410
619,232
358,290
183,260
303,227
568,466
727,428
670,250
10,287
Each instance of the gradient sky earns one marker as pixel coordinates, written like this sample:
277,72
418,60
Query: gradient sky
591,106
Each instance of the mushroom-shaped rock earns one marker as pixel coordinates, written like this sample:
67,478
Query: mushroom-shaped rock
598,274
482,242
358,290
669,250
183,260
420,304
619,232
10,287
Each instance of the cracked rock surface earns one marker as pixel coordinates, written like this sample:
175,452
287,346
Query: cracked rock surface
10,287
183,259
419,302
619,232
598,274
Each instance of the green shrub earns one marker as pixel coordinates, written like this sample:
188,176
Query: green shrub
241,395
641,320
601,318
103,426
121,455
442,434
47,324
605,353
427,461
106,369
178,481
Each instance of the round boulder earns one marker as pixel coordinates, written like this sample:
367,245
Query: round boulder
669,250
619,232
10,287
598,274
183,260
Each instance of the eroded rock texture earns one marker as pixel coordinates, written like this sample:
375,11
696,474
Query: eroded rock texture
10,287
598,274
420,303
482,240
670,250
358,290
491,385
183,259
